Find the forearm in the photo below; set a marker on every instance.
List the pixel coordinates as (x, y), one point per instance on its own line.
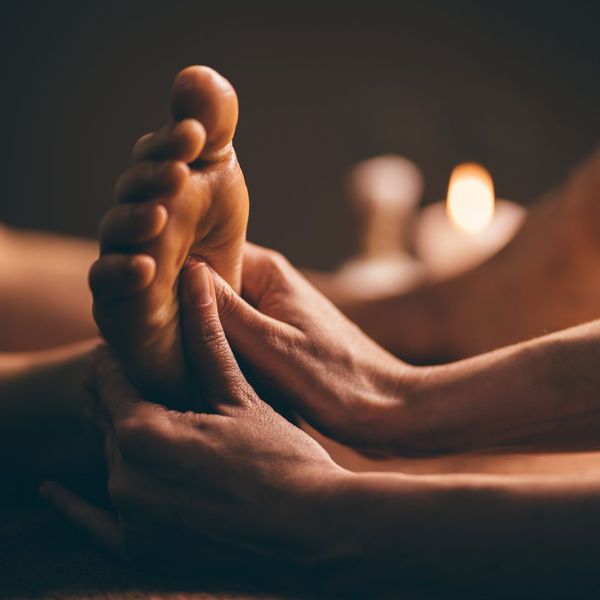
(540, 395)
(467, 530)
(44, 298)
(43, 399)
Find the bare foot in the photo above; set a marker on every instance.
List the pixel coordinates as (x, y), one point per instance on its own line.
(184, 194)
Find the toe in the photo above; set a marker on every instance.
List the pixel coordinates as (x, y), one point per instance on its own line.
(176, 141)
(151, 180)
(116, 276)
(203, 94)
(131, 224)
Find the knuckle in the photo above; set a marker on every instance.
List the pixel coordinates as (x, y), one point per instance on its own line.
(138, 433)
(282, 341)
(275, 271)
(210, 331)
(199, 421)
(277, 261)
(226, 299)
(160, 319)
(130, 431)
(278, 272)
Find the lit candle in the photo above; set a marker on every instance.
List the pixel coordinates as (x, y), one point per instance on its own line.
(470, 227)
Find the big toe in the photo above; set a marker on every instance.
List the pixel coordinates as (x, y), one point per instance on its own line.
(203, 94)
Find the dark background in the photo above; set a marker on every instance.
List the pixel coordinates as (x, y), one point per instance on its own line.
(513, 85)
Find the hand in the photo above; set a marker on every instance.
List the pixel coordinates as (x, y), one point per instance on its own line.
(239, 484)
(293, 340)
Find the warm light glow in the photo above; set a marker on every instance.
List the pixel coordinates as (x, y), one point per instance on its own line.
(470, 203)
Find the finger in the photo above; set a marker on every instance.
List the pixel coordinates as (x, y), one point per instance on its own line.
(277, 289)
(255, 272)
(140, 432)
(115, 276)
(130, 224)
(175, 141)
(210, 356)
(151, 180)
(243, 324)
(267, 272)
(118, 398)
(273, 362)
(99, 523)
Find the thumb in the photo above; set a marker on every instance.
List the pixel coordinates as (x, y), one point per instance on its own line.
(244, 326)
(116, 397)
(210, 358)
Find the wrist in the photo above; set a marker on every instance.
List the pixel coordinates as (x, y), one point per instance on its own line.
(324, 524)
(430, 419)
(397, 421)
(390, 527)
(368, 519)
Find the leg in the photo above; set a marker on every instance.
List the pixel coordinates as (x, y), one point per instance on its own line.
(545, 280)
(44, 299)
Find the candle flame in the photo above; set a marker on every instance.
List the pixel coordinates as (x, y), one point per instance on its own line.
(470, 203)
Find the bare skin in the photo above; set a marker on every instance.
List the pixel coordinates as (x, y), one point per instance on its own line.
(45, 360)
(545, 280)
(538, 395)
(150, 222)
(184, 194)
(241, 488)
(404, 410)
(44, 399)
(352, 390)
(555, 252)
(34, 261)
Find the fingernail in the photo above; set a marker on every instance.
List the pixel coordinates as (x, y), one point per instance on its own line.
(199, 285)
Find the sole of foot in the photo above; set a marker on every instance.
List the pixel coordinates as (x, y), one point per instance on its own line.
(185, 194)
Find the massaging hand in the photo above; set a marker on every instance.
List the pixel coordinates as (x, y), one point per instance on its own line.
(205, 488)
(292, 339)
